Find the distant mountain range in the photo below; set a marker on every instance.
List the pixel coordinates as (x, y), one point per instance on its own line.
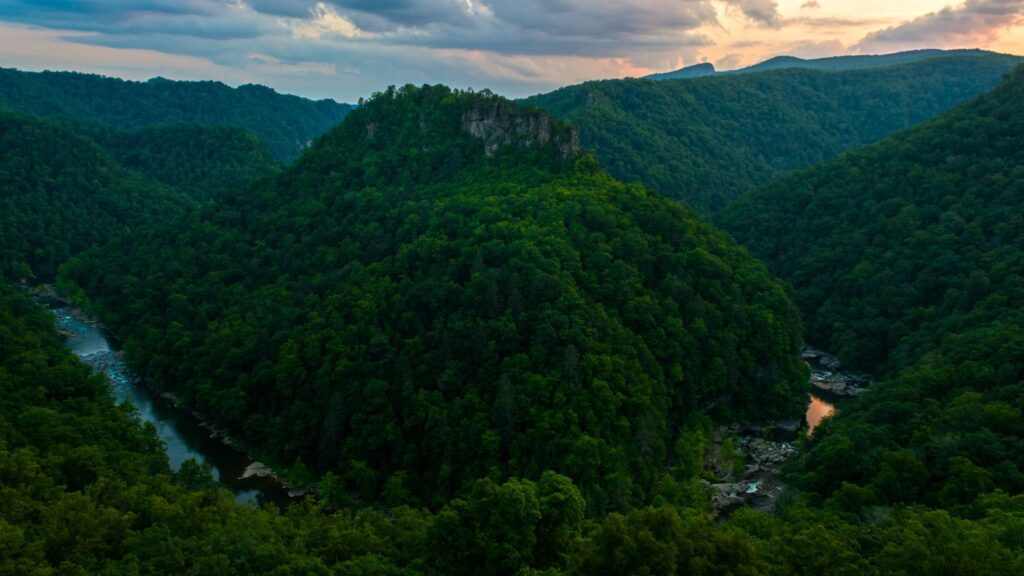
(708, 141)
(286, 124)
(834, 63)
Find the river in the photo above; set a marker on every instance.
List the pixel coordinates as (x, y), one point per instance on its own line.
(183, 434)
(186, 437)
(818, 410)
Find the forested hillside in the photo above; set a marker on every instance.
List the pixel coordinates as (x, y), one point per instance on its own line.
(199, 161)
(706, 141)
(285, 124)
(86, 491)
(907, 259)
(60, 194)
(442, 290)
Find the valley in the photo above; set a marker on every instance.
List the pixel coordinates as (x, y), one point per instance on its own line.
(447, 332)
(184, 435)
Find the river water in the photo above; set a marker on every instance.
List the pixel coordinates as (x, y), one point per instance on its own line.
(183, 434)
(818, 410)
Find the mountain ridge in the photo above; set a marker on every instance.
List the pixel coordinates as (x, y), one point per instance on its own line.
(705, 141)
(834, 63)
(495, 310)
(286, 124)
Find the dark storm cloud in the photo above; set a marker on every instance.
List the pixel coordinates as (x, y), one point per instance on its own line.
(196, 18)
(970, 20)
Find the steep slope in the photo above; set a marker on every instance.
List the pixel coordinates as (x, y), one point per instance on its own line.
(86, 491)
(60, 194)
(891, 247)
(286, 124)
(708, 140)
(202, 162)
(907, 259)
(443, 289)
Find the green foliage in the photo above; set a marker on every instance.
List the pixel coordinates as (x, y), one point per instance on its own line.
(901, 246)
(401, 305)
(707, 141)
(61, 194)
(201, 162)
(906, 259)
(86, 490)
(285, 124)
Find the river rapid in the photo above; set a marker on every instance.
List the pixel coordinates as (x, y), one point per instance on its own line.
(184, 435)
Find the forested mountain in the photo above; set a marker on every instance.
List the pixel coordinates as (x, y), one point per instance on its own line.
(833, 63)
(706, 141)
(86, 491)
(907, 259)
(836, 63)
(442, 289)
(60, 194)
(199, 161)
(285, 124)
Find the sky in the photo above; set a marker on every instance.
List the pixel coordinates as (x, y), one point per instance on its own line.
(347, 49)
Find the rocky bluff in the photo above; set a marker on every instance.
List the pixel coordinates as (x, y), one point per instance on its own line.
(501, 124)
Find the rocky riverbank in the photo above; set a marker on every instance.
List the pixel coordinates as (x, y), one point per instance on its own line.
(185, 433)
(761, 451)
(754, 484)
(826, 374)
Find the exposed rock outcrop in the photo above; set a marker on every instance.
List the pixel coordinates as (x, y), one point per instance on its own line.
(825, 374)
(502, 124)
(758, 484)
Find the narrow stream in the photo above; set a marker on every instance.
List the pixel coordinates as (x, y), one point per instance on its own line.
(184, 436)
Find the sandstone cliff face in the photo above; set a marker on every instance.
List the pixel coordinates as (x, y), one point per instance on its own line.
(502, 125)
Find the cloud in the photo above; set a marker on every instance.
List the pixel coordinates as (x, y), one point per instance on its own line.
(729, 62)
(603, 17)
(816, 49)
(765, 12)
(193, 18)
(348, 48)
(972, 22)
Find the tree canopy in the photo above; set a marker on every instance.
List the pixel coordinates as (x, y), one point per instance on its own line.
(707, 141)
(285, 124)
(60, 193)
(906, 259)
(443, 290)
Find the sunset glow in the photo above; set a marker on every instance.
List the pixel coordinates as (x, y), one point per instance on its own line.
(348, 48)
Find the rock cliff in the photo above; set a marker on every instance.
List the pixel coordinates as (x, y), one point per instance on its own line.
(502, 124)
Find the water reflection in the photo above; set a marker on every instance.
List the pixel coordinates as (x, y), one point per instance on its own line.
(817, 411)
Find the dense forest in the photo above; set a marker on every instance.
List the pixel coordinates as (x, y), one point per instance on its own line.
(285, 124)
(489, 356)
(442, 290)
(706, 141)
(906, 259)
(60, 193)
(86, 490)
(201, 162)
